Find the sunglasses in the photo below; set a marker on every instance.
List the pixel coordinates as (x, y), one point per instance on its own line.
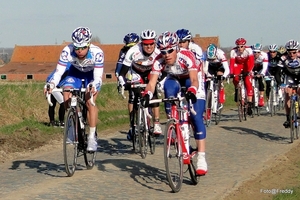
(273, 51)
(165, 52)
(148, 44)
(183, 41)
(80, 48)
(256, 51)
(292, 52)
(240, 46)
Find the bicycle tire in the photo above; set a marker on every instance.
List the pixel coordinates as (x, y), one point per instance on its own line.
(193, 160)
(240, 105)
(173, 153)
(135, 133)
(70, 142)
(140, 127)
(151, 136)
(89, 156)
(208, 110)
(218, 111)
(271, 100)
(292, 127)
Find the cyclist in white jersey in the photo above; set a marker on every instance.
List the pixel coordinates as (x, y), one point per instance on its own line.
(137, 64)
(86, 62)
(260, 68)
(291, 68)
(180, 65)
(215, 63)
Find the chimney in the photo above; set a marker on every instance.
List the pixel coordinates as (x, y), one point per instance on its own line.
(197, 35)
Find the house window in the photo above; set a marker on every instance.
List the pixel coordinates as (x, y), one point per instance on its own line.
(29, 76)
(108, 76)
(3, 76)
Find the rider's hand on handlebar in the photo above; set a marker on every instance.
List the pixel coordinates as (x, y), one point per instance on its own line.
(191, 94)
(48, 88)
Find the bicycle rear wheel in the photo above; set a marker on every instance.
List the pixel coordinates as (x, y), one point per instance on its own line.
(140, 126)
(89, 156)
(218, 110)
(135, 132)
(173, 157)
(292, 126)
(70, 142)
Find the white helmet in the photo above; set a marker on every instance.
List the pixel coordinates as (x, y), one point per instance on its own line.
(81, 36)
(273, 47)
(148, 35)
(292, 45)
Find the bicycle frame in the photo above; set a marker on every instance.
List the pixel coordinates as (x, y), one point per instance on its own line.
(294, 110)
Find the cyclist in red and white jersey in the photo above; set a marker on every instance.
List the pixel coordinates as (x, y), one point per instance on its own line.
(241, 62)
(260, 67)
(180, 65)
(137, 65)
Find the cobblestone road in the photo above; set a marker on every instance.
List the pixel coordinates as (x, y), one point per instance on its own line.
(236, 151)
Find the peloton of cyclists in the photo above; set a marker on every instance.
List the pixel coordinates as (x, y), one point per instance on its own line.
(180, 65)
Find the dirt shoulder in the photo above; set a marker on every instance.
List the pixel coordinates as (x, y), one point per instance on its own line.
(283, 173)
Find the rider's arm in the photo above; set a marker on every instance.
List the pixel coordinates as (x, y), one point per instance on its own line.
(222, 57)
(120, 62)
(265, 64)
(250, 62)
(98, 69)
(232, 61)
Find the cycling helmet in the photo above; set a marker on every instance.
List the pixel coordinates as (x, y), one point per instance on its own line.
(257, 47)
(211, 52)
(81, 36)
(148, 36)
(273, 47)
(167, 40)
(130, 39)
(184, 34)
(240, 41)
(292, 45)
(282, 49)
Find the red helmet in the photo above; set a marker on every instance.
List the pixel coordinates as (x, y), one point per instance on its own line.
(240, 41)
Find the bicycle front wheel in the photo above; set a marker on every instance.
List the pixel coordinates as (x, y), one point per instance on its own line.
(70, 142)
(141, 129)
(151, 136)
(271, 104)
(173, 157)
(193, 160)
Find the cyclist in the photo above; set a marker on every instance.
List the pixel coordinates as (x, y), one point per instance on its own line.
(129, 40)
(260, 68)
(138, 63)
(86, 62)
(273, 69)
(241, 62)
(216, 64)
(57, 97)
(291, 68)
(180, 65)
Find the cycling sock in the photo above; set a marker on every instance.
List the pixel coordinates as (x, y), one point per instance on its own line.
(92, 132)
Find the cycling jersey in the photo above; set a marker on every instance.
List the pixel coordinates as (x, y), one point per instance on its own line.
(185, 62)
(261, 63)
(90, 69)
(122, 54)
(290, 66)
(197, 50)
(273, 62)
(220, 63)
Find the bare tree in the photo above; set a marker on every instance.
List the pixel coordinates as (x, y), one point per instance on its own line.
(96, 39)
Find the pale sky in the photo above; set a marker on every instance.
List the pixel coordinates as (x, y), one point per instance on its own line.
(43, 22)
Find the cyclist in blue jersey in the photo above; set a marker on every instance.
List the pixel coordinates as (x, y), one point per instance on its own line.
(86, 62)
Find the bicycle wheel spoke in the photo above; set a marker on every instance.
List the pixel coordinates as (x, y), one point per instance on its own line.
(173, 157)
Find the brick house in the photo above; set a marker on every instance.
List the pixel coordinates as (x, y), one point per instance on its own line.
(37, 62)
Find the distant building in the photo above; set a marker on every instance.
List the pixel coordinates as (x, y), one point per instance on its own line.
(37, 62)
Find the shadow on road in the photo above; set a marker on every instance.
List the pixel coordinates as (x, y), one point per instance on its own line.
(146, 175)
(43, 167)
(264, 136)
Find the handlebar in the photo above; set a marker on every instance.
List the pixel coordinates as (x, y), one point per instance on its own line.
(48, 95)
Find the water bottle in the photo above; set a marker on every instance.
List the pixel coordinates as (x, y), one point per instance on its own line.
(185, 135)
(296, 106)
